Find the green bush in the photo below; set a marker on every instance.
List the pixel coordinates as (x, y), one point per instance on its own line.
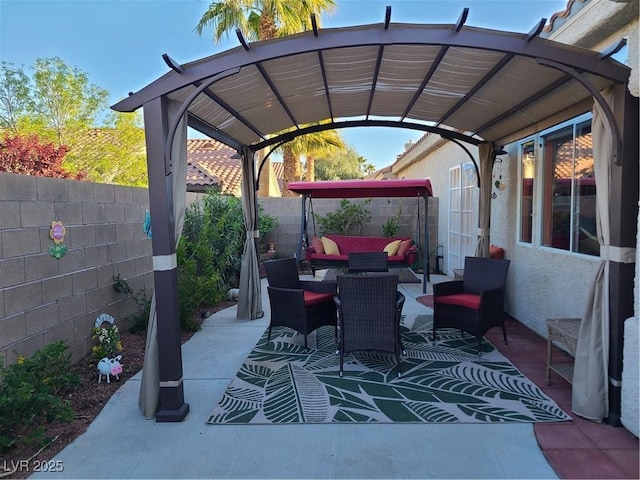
(139, 320)
(210, 251)
(349, 219)
(392, 225)
(31, 393)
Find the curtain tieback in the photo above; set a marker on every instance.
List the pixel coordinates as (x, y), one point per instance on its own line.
(253, 233)
(163, 263)
(483, 232)
(617, 254)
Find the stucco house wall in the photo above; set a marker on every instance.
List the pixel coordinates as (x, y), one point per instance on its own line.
(442, 156)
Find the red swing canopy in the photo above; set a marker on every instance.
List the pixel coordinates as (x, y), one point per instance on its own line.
(363, 188)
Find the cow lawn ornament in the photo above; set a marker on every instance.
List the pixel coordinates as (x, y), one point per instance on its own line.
(109, 367)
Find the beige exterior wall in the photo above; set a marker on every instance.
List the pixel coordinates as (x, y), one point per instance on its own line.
(432, 157)
(44, 299)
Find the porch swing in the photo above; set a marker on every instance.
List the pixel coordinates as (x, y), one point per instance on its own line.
(343, 189)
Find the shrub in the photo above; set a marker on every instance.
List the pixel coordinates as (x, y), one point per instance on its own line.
(210, 251)
(347, 220)
(139, 320)
(31, 394)
(26, 155)
(392, 225)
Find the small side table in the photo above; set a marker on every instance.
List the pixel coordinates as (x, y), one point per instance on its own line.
(565, 331)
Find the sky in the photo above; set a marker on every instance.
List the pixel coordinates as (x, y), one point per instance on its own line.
(119, 43)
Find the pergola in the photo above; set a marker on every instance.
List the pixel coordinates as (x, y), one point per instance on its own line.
(478, 86)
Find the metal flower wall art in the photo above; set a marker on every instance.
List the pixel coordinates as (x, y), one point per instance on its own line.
(57, 234)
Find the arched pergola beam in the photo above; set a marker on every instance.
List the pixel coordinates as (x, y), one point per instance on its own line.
(611, 119)
(288, 136)
(183, 110)
(473, 160)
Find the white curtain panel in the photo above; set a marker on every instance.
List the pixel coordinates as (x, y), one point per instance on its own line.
(590, 393)
(149, 395)
(485, 151)
(249, 300)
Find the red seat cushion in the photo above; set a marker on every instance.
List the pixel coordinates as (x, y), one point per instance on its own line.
(314, 298)
(467, 300)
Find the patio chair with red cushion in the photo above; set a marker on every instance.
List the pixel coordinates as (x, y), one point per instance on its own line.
(474, 304)
(303, 305)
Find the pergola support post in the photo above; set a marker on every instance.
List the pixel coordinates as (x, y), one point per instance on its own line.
(303, 229)
(623, 215)
(172, 407)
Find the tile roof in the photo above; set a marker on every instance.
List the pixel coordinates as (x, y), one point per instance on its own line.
(564, 165)
(210, 164)
(562, 15)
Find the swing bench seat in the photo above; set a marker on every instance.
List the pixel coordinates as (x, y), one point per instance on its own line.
(404, 255)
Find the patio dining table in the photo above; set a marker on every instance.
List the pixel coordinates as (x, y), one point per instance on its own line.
(329, 275)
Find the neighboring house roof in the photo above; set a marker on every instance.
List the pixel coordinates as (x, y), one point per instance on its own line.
(210, 166)
(96, 136)
(278, 171)
(564, 158)
(559, 17)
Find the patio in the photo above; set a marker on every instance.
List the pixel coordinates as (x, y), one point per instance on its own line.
(449, 88)
(192, 449)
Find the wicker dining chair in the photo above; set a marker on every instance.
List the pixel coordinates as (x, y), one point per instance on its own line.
(369, 310)
(367, 262)
(474, 304)
(298, 304)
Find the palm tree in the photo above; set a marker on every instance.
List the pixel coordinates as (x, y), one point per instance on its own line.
(310, 145)
(319, 145)
(263, 20)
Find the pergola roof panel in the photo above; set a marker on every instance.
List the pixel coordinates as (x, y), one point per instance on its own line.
(402, 71)
(475, 80)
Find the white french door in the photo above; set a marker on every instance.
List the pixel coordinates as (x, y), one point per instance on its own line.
(462, 242)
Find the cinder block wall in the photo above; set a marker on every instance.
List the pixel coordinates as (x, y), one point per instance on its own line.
(44, 299)
(289, 213)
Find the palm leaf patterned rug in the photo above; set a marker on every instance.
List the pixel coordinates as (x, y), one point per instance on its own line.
(281, 382)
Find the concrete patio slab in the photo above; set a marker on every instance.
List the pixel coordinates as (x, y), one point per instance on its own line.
(121, 443)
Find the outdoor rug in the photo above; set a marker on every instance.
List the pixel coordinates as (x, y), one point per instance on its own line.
(281, 382)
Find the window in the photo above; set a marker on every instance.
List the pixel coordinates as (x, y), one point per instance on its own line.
(569, 190)
(528, 172)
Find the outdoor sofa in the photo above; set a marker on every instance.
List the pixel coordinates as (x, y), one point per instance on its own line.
(333, 250)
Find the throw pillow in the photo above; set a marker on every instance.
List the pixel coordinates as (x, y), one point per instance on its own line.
(316, 243)
(403, 247)
(496, 252)
(392, 247)
(330, 247)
